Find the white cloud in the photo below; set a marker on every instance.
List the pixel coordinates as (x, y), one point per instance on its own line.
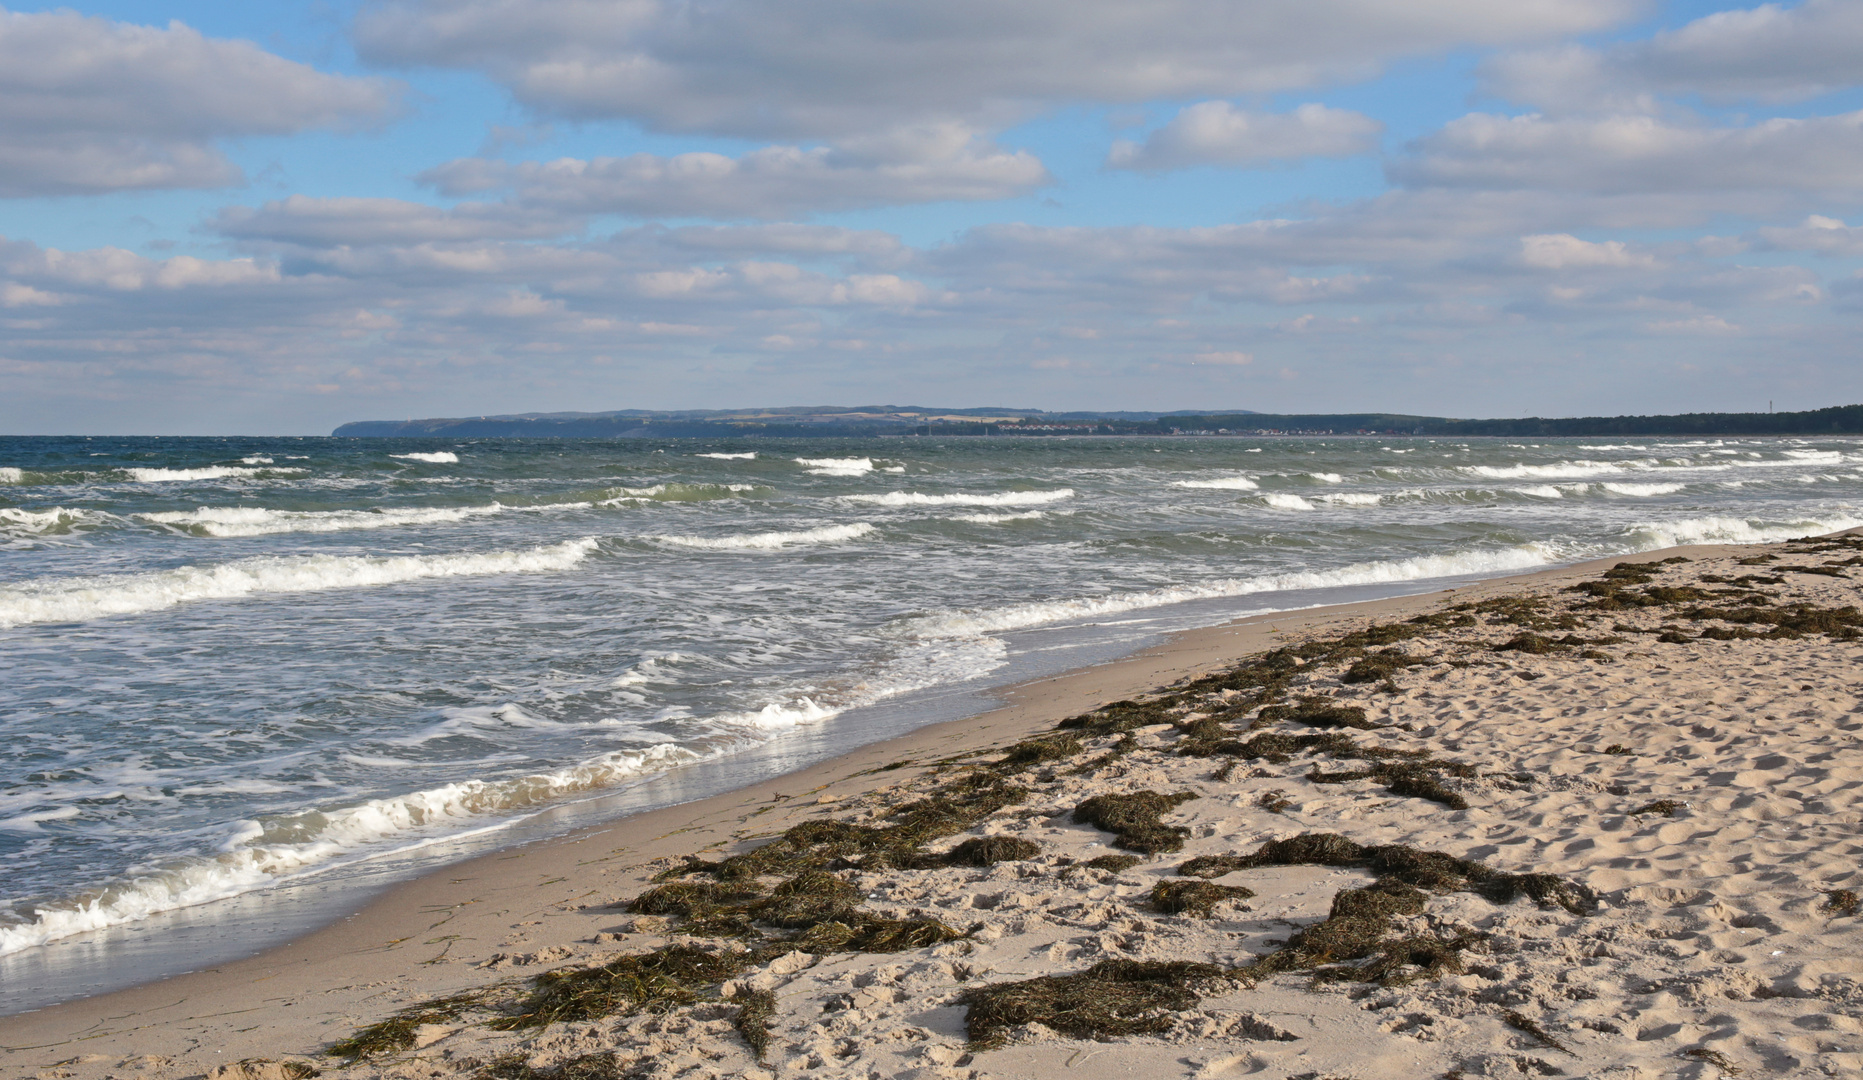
(1824, 235)
(1561, 251)
(1768, 53)
(90, 105)
(301, 219)
(826, 69)
(1633, 154)
(1218, 133)
(935, 164)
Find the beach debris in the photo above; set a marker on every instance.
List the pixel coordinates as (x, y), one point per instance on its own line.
(1665, 807)
(1319, 712)
(1412, 866)
(1118, 864)
(1521, 1022)
(755, 1010)
(1111, 999)
(397, 1033)
(1842, 902)
(1134, 819)
(655, 981)
(990, 850)
(1713, 1057)
(1198, 898)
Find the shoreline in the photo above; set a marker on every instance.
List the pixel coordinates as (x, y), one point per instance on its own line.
(523, 909)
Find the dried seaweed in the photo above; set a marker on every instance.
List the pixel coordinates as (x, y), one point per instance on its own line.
(754, 1012)
(1111, 999)
(396, 1033)
(1133, 819)
(1193, 897)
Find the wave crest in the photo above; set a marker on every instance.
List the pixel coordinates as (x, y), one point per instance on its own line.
(83, 598)
(766, 541)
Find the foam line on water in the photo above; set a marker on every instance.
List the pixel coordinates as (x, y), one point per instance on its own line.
(228, 521)
(436, 457)
(749, 455)
(77, 599)
(1226, 483)
(1641, 537)
(768, 541)
(836, 466)
(210, 472)
(1001, 498)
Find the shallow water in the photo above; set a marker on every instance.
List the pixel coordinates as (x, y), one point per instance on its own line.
(233, 664)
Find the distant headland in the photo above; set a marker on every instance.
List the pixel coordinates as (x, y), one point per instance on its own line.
(871, 420)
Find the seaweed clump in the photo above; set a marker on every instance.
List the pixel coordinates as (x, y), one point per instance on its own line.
(1118, 864)
(1665, 807)
(1198, 898)
(1111, 999)
(1842, 902)
(754, 1012)
(1423, 869)
(644, 982)
(1134, 819)
(1353, 944)
(1320, 713)
(396, 1033)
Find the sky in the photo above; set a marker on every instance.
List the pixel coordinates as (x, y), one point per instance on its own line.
(221, 218)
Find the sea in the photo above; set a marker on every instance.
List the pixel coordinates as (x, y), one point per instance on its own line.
(247, 682)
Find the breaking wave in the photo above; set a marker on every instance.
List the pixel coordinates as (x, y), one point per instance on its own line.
(210, 472)
(1003, 498)
(827, 534)
(228, 521)
(436, 457)
(830, 466)
(1227, 483)
(747, 456)
(1282, 501)
(81, 598)
(1643, 490)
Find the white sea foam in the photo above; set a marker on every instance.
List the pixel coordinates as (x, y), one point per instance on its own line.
(992, 519)
(1327, 477)
(262, 853)
(225, 521)
(437, 457)
(1422, 567)
(256, 459)
(1352, 498)
(75, 599)
(676, 493)
(766, 541)
(1282, 501)
(210, 472)
(56, 520)
(10, 474)
(1001, 498)
(747, 456)
(1716, 529)
(1225, 483)
(830, 466)
(1643, 490)
(1540, 491)
(1556, 471)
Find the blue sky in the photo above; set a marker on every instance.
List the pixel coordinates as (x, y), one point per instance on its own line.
(275, 218)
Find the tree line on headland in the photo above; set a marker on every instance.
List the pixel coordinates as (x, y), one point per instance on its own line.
(884, 420)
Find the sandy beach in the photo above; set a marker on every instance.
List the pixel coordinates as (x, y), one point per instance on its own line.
(1598, 821)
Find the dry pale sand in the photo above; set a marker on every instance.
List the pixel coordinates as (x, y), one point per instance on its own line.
(1713, 932)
